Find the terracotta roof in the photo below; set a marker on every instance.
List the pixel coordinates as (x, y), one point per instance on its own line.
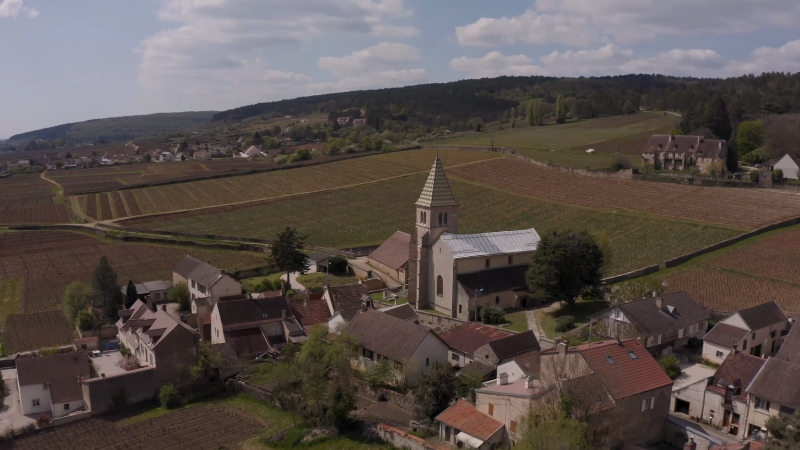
(778, 381)
(348, 297)
(738, 370)
(471, 336)
(186, 266)
(651, 320)
(252, 311)
(725, 335)
(763, 315)
(247, 342)
(394, 251)
(437, 189)
(493, 281)
(62, 372)
(515, 344)
(404, 311)
(311, 312)
(625, 368)
(465, 417)
(386, 335)
(790, 350)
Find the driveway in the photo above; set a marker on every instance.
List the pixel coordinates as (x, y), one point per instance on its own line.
(11, 413)
(293, 281)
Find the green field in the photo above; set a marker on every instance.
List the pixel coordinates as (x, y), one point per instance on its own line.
(368, 214)
(609, 136)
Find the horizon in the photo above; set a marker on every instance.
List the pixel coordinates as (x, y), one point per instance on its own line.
(186, 56)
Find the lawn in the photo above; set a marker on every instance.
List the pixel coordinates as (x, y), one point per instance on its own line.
(250, 283)
(317, 280)
(367, 215)
(609, 136)
(581, 312)
(518, 321)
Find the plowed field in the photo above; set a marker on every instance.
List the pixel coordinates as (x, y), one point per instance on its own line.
(745, 208)
(37, 330)
(27, 199)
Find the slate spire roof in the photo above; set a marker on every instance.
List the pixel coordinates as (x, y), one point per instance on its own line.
(437, 189)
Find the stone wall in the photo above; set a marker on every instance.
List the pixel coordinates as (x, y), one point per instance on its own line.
(103, 333)
(108, 393)
(254, 391)
(405, 401)
(401, 439)
(632, 274)
(434, 321)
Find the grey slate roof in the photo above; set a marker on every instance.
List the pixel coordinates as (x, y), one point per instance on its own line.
(725, 335)
(491, 281)
(436, 191)
(318, 257)
(790, 350)
(404, 311)
(206, 274)
(514, 345)
(186, 266)
(347, 297)
(253, 311)
(394, 251)
(651, 321)
(386, 335)
(488, 244)
(778, 381)
(763, 315)
(62, 372)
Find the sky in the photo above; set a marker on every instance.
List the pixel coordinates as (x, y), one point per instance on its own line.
(71, 60)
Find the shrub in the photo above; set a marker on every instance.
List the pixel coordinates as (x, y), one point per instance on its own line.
(565, 323)
(43, 420)
(337, 264)
(281, 159)
(169, 397)
(302, 154)
(492, 315)
(756, 156)
(86, 320)
(753, 176)
(707, 362)
(124, 351)
(619, 164)
(777, 175)
(671, 366)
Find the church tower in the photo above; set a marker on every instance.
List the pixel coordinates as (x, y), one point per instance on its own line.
(437, 213)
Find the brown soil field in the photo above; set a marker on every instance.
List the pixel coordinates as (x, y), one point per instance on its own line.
(38, 330)
(776, 257)
(48, 261)
(28, 199)
(743, 207)
(206, 426)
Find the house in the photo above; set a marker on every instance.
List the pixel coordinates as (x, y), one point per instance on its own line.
(725, 404)
(340, 319)
(775, 391)
(202, 305)
(509, 401)
(758, 330)
(521, 367)
(790, 349)
(152, 293)
(254, 327)
(166, 156)
(310, 313)
(205, 280)
(342, 121)
(318, 262)
(350, 297)
(391, 257)
(688, 389)
(412, 349)
(402, 312)
(359, 122)
(253, 151)
(51, 384)
(464, 340)
(615, 384)
(499, 351)
(672, 152)
(462, 425)
(788, 165)
(664, 321)
(158, 340)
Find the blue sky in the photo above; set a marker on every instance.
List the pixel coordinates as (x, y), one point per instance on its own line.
(73, 60)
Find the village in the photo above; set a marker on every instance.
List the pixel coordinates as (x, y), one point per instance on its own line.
(418, 342)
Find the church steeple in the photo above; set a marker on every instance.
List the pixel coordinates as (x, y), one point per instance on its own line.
(437, 191)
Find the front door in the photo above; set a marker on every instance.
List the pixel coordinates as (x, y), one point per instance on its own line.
(726, 418)
(447, 434)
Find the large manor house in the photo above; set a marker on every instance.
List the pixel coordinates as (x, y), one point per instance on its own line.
(455, 274)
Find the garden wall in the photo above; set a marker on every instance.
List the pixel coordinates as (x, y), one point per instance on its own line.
(432, 320)
(116, 391)
(405, 401)
(72, 418)
(103, 333)
(255, 392)
(401, 439)
(629, 275)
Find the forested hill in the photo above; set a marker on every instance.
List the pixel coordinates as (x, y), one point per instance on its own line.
(120, 128)
(490, 99)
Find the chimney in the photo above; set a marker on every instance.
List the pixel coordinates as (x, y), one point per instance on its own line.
(208, 261)
(562, 348)
(690, 445)
(734, 349)
(528, 382)
(659, 303)
(222, 271)
(502, 378)
(164, 307)
(283, 314)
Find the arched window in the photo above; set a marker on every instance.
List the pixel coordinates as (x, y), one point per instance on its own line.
(497, 300)
(439, 286)
(421, 217)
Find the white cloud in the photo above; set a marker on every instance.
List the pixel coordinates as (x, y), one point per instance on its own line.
(495, 64)
(383, 55)
(230, 50)
(13, 8)
(585, 23)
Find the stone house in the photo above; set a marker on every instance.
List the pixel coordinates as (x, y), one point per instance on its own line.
(350, 297)
(663, 321)
(51, 384)
(758, 330)
(509, 401)
(464, 340)
(774, 392)
(158, 340)
(205, 280)
(508, 348)
(726, 401)
(391, 257)
(672, 152)
(463, 426)
(254, 327)
(688, 389)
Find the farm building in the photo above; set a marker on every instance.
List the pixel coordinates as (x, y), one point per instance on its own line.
(672, 152)
(151, 292)
(457, 274)
(51, 384)
(788, 165)
(391, 257)
(318, 262)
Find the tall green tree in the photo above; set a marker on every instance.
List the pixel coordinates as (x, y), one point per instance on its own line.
(180, 294)
(434, 390)
(564, 265)
(716, 118)
(78, 297)
(513, 117)
(537, 113)
(529, 111)
(561, 109)
(750, 135)
(286, 253)
(105, 283)
(784, 432)
(130, 294)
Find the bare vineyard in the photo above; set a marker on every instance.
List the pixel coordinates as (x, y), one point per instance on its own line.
(745, 208)
(206, 426)
(36, 330)
(777, 257)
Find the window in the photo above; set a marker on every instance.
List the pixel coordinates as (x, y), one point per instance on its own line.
(35, 402)
(439, 286)
(648, 403)
(736, 418)
(762, 404)
(445, 218)
(193, 285)
(497, 300)
(651, 341)
(772, 334)
(427, 361)
(368, 354)
(488, 262)
(441, 218)
(511, 260)
(459, 309)
(632, 355)
(66, 406)
(744, 345)
(512, 426)
(610, 361)
(686, 331)
(454, 357)
(491, 409)
(753, 337)
(45, 386)
(720, 354)
(787, 410)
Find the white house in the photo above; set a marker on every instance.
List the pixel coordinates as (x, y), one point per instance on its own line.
(254, 327)
(788, 166)
(51, 384)
(757, 331)
(205, 280)
(166, 156)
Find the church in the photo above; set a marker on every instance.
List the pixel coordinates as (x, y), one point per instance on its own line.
(457, 274)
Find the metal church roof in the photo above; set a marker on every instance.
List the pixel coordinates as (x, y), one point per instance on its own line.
(488, 244)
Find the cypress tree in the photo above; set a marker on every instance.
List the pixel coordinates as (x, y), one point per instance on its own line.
(716, 118)
(105, 283)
